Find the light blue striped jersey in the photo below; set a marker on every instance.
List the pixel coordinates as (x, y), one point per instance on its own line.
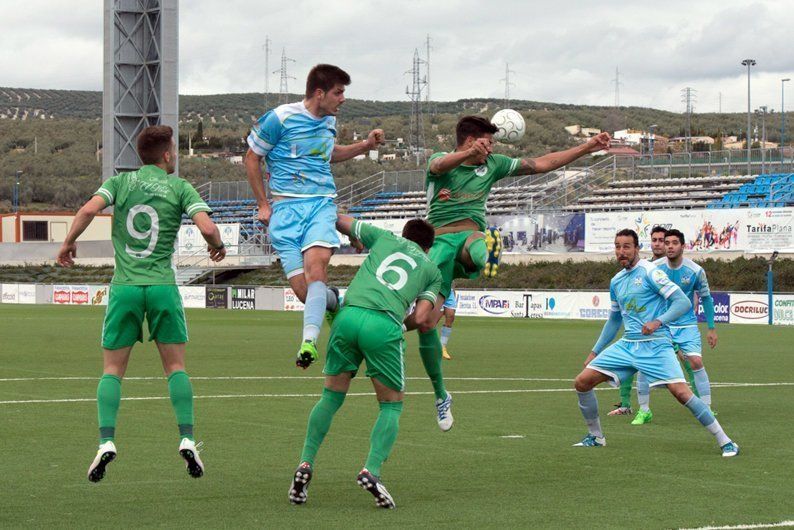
(640, 294)
(297, 147)
(691, 278)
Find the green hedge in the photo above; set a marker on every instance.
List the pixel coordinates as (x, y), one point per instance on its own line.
(737, 275)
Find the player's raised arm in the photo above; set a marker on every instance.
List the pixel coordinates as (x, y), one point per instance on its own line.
(346, 152)
(552, 161)
(479, 148)
(82, 219)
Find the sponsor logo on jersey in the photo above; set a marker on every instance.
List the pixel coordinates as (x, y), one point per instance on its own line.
(481, 171)
(444, 194)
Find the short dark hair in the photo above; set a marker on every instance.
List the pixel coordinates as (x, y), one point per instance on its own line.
(325, 77)
(676, 233)
(420, 232)
(628, 232)
(658, 228)
(476, 126)
(153, 142)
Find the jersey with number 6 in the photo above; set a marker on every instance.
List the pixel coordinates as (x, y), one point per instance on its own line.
(395, 273)
(149, 205)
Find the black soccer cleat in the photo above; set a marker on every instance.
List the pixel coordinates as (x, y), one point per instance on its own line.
(300, 484)
(372, 484)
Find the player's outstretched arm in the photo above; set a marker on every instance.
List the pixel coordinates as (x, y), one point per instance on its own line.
(82, 219)
(211, 234)
(253, 170)
(448, 162)
(552, 161)
(608, 332)
(678, 306)
(422, 317)
(346, 152)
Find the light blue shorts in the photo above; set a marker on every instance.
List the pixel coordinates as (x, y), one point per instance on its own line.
(452, 301)
(655, 358)
(688, 340)
(299, 224)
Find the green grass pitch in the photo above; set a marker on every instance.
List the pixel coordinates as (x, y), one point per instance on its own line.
(508, 461)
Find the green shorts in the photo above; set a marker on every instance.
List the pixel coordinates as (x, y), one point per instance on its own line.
(445, 252)
(361, 334)
(129, 304)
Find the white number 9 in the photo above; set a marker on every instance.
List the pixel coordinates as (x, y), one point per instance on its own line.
(151, 234)
(402, 274)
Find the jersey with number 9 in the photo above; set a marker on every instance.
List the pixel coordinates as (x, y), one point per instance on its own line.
(148, 212)
(395, 273)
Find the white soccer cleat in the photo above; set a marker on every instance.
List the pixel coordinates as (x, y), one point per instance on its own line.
(189, 450)
(105, 455)
(730, 449)
(444, 412)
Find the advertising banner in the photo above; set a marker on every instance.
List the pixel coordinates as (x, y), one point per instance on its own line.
(592, 305)
(98, 294)
(190, 240)
(722, 308)
(217, 297)
(749, 309)
(71, 295)
(243, 298)
(27, 293)
(291, 301)
(783, 310)
(738, 229)
(10, 293)
(192, 296)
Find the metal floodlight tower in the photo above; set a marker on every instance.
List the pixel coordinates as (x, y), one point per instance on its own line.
(416, 125)
(141, 77)
(748, 63)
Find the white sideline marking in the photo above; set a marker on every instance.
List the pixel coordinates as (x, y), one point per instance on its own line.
(744, 526)
(272, 377)
(355, 394)
(512, 436)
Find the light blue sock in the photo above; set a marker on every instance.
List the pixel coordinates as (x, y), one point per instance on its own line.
(588, 404)
(643, 392)
(316, 301)
(445, 333)
(703, 414)
(703, 385)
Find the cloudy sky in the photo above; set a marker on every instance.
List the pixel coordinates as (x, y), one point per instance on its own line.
(560, 51)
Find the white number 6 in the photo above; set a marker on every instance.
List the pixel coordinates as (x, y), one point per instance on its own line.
(402, 274)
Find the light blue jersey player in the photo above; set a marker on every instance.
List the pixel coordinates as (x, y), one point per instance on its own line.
(691, 278)
(645, 301)
(298, 143)
(450, 307)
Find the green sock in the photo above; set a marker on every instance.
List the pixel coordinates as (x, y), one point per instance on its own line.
(625, 393)
(384, 433)
(320, 420)
(690, 374)
(479, 253)
(181, 392)
(108, 399)
(430, 351)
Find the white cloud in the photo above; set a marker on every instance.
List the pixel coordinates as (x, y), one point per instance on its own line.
(562, 52)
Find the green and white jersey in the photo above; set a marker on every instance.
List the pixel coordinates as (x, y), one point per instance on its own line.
(462, 192)
(395, 273)
(148, 212)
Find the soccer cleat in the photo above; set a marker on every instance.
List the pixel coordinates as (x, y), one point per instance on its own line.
(372, 484)
(306, 355)
(105, 455)
(620, 411)
(591, 441)
(300, 483)
(444, 411)
(189, 450)
(445, 354)
(730, 449)
(331, 315)
(642, 417)
(493, 244)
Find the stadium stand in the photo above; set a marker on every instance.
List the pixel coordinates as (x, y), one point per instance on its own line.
(241, 211)
(766, 191)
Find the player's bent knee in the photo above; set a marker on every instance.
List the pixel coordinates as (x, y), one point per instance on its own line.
(681, 392)
(695, 361)
(582, 383)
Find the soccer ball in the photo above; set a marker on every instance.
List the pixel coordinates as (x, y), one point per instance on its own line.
(510, 124)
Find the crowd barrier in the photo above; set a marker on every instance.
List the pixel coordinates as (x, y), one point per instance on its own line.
(730, 308)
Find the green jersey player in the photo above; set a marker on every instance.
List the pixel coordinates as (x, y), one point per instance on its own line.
(458, 185)
(149, 204)
(370, 327)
